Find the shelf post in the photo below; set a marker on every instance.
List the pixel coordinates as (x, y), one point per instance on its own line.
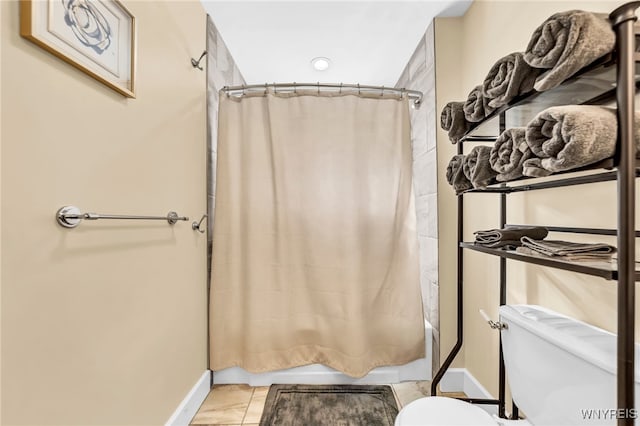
(503, 294)
(623, 19)
(459, 331)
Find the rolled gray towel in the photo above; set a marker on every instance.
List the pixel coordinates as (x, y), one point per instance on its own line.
(452, 120)
(476, 107)
(567, 249)
(509, 77)
(533, 168)
(571, 136)
(476, 167)
(455, 175)
(509, 237)
(509, 153)
(566, 42)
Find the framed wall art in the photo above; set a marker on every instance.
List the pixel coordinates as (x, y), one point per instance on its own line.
(96, 36)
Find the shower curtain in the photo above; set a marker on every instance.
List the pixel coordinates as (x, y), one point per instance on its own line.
(314, 242)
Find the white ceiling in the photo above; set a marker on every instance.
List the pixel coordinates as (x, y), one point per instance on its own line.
(368, 42)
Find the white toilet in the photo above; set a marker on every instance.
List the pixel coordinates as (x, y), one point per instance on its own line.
(560, 370)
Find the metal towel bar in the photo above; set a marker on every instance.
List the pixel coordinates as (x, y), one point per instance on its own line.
(70, 217)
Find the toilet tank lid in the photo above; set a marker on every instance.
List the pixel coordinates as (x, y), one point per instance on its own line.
(585, 341)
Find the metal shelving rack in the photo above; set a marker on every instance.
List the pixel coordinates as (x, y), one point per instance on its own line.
(621, 68)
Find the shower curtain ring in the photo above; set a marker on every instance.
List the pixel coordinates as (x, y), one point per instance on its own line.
(275, 89)
(359, 89)
(318, 83)
(243, 87)
(340, 92)
(382, 91)
(295, 88)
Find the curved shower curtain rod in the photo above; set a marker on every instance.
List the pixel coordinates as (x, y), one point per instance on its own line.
(291, 87)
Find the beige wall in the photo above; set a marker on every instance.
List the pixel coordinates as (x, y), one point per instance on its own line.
(1, 226)
(448, 42)
(105, 323)
(466, 49)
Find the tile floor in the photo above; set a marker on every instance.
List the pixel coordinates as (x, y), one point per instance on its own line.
(242, 405)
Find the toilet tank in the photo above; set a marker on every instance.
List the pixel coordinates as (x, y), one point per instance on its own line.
(561, 371)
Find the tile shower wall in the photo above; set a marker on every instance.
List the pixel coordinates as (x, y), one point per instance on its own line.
(222, 71)
(419, 74)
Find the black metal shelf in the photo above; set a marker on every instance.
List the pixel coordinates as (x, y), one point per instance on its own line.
(573, 230)
(594, 84)
(603, 269)
(602, 173)
(612, 78)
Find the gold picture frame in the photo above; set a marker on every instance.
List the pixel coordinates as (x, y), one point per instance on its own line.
(95, 36)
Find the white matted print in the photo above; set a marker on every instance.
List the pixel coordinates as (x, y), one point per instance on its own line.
(96, 36)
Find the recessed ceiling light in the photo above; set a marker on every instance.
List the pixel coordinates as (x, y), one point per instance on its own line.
(320, 63)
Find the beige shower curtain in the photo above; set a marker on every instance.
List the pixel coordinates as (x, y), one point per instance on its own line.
(314, 246)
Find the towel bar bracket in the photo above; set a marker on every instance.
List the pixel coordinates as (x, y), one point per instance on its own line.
(173, 218)
(69, 216)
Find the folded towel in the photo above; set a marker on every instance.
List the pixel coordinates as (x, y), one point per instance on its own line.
(569, 250)
(509, 77)
(571, 136)
(509, 237)
(476, 108)
(566, 42)
(509, 153)
(476, 167)
(583, 257)
(455, 175)
(452, 120)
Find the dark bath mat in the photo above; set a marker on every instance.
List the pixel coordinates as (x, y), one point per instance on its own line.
(329, 405)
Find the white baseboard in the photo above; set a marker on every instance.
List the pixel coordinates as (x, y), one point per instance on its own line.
(192, 402)
(461, 380)
(453, 380)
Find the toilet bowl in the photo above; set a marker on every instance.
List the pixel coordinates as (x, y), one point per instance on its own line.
(558, 368)
(438, 410)
(442, 411)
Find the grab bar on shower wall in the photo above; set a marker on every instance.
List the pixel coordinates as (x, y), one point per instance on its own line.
(70, 217)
